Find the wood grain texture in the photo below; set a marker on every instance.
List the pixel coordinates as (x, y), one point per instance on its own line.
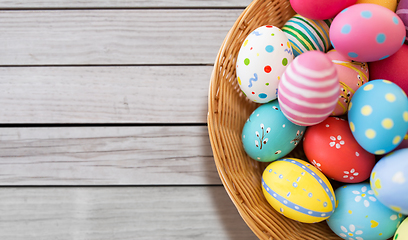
(156, 94)
(38, 4)
(113, 37)
(106, 156)
(111, 61)
(141, 213)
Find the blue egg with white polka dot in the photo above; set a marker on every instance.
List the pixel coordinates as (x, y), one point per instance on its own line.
(268, 135)
(378, 116)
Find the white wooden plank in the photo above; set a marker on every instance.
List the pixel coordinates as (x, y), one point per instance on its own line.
(141, 213)
(106, 155)
(158, 94)
(81, 37)
(19, 4)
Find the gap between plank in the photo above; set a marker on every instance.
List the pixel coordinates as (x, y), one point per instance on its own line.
(110, 65)
(112, 186)
(128, 8)
(55, 125)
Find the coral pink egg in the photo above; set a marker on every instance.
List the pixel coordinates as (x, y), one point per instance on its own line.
(309, 89)
(331, 147)
(393, 68)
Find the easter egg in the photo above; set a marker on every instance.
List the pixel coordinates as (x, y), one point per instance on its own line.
(261, 61)
(309, 89)
(390, 4)
(389, 180)
(352, 75)
(378, 116)
(267, 135)
(402, 231)
(320, 9)
(298, 190)
(305, 34)
(331, 147)
(402, 12)
(359, 215)
(403, 144)
(367, 32)
(393, 68)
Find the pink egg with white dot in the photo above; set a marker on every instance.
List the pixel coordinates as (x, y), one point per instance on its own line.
(367, 32)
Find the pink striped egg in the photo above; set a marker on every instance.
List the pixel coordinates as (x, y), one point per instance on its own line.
(309, 89)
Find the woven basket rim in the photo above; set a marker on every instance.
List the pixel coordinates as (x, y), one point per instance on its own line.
(211, 128)
(219, 118)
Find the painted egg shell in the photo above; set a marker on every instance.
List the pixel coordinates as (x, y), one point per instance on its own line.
(298, 190)
(393, 68)
(331, 147)
(402, 12)
(367, 32)
(403, 144)
(389, 180)
(402, 231)
(309, 89)
(359, 215)
(261, 61)
(320, 9)
(352, 75)
(306, 34)
(378, 116)
(390, 4)
(268, 135)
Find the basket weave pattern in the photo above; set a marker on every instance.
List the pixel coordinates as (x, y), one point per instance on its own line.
(228, 111)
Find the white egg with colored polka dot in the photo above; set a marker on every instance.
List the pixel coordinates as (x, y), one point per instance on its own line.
(263, 57)
(378, 116)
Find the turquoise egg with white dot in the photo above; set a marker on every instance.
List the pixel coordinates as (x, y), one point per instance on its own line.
(268, 135)
(360, 216)
(378, 116)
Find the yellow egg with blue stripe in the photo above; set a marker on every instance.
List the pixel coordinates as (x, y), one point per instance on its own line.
(298, 190)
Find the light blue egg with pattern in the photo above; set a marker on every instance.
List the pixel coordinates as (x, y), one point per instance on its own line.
(268, 135)
(360, 216)
(389, 180)
(378, 116)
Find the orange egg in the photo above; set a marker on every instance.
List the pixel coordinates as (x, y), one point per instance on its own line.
(390, 4)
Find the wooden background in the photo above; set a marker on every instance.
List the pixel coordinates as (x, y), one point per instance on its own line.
(103, 120)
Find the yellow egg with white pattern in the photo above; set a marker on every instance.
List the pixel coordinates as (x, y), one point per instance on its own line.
(298, 190)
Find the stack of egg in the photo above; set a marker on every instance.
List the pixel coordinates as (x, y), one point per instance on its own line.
(334, 78)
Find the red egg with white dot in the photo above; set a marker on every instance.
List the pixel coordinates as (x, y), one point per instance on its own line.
(331, 147)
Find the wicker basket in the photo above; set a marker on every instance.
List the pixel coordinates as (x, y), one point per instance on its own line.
(228, 111)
